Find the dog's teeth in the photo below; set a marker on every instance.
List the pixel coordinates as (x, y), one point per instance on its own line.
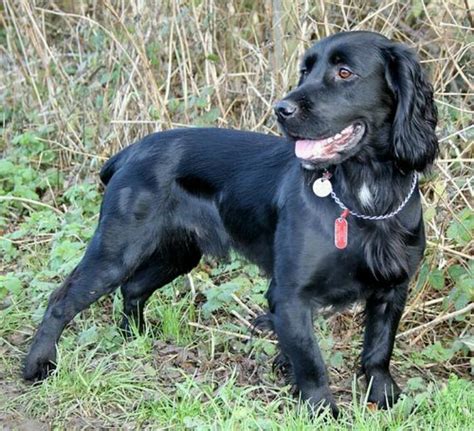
(329, 140)
(317, 151)
(338, 136)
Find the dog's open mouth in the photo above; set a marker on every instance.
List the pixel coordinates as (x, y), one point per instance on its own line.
(328, 148)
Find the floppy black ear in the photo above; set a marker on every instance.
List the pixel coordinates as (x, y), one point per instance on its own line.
(414, 141)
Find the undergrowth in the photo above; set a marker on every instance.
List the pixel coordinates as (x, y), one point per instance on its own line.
(80, 80)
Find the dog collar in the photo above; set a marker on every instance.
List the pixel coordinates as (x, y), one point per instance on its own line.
(322, 187)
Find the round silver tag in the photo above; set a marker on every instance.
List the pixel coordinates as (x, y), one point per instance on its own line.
(322, 187)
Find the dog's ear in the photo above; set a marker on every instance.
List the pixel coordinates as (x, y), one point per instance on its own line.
(414, 141)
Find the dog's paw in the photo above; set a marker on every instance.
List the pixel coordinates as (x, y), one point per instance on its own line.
(264, 323)
(384, 392)
(125, 328)
(39, 364)
(282, 365)
(130, 328)
(320, 400)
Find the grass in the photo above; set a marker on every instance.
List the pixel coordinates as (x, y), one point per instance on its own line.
(80, 80)
(159, 381)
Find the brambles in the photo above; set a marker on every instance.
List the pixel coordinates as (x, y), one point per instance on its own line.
(80, 80)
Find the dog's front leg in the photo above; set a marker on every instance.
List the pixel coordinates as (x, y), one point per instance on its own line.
(293, 324)
(383, 312)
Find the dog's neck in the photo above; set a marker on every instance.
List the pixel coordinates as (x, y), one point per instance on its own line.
(368, 186)
(374, 187)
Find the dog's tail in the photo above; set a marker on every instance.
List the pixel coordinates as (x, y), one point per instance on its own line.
(114, 164)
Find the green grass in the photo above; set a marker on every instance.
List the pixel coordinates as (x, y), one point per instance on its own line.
(176, 376)
(145, 382)
(81, 80)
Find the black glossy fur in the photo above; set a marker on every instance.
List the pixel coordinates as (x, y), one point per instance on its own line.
(179, 194)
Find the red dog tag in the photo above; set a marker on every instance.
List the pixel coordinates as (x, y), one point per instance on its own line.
(341, 230)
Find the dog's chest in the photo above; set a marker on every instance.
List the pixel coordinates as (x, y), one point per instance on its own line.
(332, 276)
(339, 277)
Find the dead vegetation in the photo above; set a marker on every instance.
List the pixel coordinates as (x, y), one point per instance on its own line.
(91, 77)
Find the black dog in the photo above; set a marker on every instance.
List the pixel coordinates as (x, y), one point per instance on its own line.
(362, 121)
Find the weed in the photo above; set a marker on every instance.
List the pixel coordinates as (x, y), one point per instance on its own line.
(81, 80)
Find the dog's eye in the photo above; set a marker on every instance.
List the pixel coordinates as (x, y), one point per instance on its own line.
(304, 71)
(344, 73)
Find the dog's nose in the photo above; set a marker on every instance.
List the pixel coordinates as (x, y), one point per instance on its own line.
(285, 108)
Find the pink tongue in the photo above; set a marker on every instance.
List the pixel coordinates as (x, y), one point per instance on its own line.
(307, 149)
(323, 148)
(304, 149)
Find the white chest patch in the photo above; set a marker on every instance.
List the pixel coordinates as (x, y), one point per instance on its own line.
(365, 196)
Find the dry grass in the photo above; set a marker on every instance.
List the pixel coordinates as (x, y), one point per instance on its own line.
(102, 74)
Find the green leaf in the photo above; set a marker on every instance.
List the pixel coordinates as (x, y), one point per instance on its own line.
(463, 292)
(436, 279)
(459, 298)
(422, 276)
(437, 352)
(90, 335)
(3, 292)
(456, 271)
(65, 255)
(6, 168)
(336, 359)
(461, 231)
(11, 283)
(218, 296)
(7, 250)
(468, 341)
(416, 384)
(213, 57)
(416, 9)
(429, 213)
(30, 141)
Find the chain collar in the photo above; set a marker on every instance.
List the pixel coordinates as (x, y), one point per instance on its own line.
(378, 217)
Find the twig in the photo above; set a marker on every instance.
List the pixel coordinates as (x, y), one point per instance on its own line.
(243, 305)
(191, 284)
(416, 307)
(30, 201)
(82, 153)
(457, 132)
(468, 13)
(438, 320)
(222, 331)
(244, 321)
(450, 250)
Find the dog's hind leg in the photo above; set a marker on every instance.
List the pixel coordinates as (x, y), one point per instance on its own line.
(162, 267)
(101, 270)
(128, 233)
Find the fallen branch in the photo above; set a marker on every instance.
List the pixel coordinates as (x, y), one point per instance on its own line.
(450, 250)
(438, 320)
(232, 334)
(30, 201)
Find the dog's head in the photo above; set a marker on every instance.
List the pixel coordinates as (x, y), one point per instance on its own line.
(360, 95)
